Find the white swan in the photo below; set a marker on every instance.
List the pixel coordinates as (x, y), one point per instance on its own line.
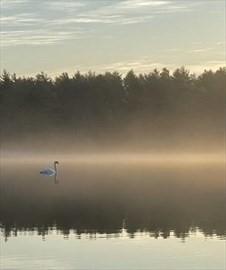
(50, 171)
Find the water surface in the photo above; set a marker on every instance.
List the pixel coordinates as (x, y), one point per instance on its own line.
(113, 216)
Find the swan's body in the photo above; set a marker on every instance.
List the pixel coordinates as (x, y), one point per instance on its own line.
(50, 171)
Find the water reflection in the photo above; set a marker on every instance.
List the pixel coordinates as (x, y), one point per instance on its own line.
(113, 199)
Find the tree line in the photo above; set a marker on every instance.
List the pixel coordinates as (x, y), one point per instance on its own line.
(155, 104)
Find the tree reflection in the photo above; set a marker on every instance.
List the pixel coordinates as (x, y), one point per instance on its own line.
(143, 200)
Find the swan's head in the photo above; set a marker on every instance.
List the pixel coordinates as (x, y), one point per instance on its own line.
(56, 162)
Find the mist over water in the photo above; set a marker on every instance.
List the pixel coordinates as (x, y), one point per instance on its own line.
(136, 193)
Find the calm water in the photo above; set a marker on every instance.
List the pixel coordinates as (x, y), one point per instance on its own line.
(112, 216)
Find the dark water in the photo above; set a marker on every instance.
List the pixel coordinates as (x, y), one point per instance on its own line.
(113, 216)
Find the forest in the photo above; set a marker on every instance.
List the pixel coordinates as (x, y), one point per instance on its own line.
(144, 110)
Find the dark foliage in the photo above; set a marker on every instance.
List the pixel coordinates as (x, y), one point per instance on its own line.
(105, 105)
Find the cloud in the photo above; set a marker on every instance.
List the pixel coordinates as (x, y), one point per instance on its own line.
(148, 65)
(66, 4)
(206, 65)
(201, 50)
(139, 66)
(220, 43)
(41, 37)
(130, 4)
(19, 20)
(13, 2)
(7, 19)
(132, 11)
(104, 19)
(10, 4)
(57, 16)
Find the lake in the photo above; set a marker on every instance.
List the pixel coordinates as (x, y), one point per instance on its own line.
(113, 215)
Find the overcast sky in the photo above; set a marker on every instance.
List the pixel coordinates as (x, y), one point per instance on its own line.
(57, 36)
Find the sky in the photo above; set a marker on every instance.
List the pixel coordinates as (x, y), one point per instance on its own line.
(58, 36)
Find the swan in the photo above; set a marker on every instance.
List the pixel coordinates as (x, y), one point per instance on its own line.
(50, 171)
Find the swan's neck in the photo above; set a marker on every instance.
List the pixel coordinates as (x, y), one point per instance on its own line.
(55, 167)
